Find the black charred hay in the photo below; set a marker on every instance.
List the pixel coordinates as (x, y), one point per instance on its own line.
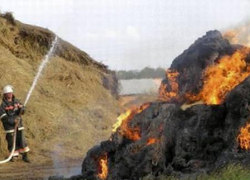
(174, 141)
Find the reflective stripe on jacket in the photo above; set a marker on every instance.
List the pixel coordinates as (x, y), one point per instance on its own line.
(8, 113)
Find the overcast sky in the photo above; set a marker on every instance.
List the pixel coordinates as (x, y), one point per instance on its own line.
(130, 34)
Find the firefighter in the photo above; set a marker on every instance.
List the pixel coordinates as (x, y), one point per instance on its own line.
(10, 111)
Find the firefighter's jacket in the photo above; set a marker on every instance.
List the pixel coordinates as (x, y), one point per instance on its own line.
(9, 111)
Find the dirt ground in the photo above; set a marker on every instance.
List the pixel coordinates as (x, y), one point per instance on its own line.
(36, 170)
(40, 168)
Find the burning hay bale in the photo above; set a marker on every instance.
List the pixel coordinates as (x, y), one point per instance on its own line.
(162, 138)
(171, 140)
(210, 64)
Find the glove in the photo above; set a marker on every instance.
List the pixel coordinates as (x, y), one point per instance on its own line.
(22, 110)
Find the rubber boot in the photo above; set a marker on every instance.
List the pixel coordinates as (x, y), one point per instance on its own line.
(25, 158)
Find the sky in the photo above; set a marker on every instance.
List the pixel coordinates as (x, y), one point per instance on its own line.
(130, 34)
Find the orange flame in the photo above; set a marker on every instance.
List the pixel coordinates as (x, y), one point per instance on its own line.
(220, 78)
(152, 141)
(103, 167)
(244, 137)
(121, 118)
(164, 95)
(132, 133)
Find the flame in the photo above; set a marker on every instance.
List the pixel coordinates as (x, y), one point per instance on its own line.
(165, 95)
(103, 167)
(192, 97)
(220, 78)
(231, 35)
(244, 137)
(122, 117)
(132, 133)
(152, 141)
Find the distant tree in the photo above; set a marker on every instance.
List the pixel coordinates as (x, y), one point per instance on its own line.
(145, 73)
(126, 74)
(160, 72)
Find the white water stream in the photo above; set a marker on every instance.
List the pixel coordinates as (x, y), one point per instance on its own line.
(42, 65)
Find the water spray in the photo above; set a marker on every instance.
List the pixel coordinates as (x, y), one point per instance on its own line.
(42, 65)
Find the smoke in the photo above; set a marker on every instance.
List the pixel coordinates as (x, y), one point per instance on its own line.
(143, 86)
(63, 168)
(239, 34)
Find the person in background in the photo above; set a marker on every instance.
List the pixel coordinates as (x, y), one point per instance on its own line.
(10, 114)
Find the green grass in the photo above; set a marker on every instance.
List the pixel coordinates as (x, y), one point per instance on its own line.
(230, 172)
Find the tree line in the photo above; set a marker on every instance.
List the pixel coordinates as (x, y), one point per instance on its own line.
(146, 73)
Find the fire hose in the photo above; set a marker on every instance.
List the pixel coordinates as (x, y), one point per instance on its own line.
(14, 144)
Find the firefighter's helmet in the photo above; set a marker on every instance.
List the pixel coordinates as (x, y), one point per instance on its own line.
(8, 89)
